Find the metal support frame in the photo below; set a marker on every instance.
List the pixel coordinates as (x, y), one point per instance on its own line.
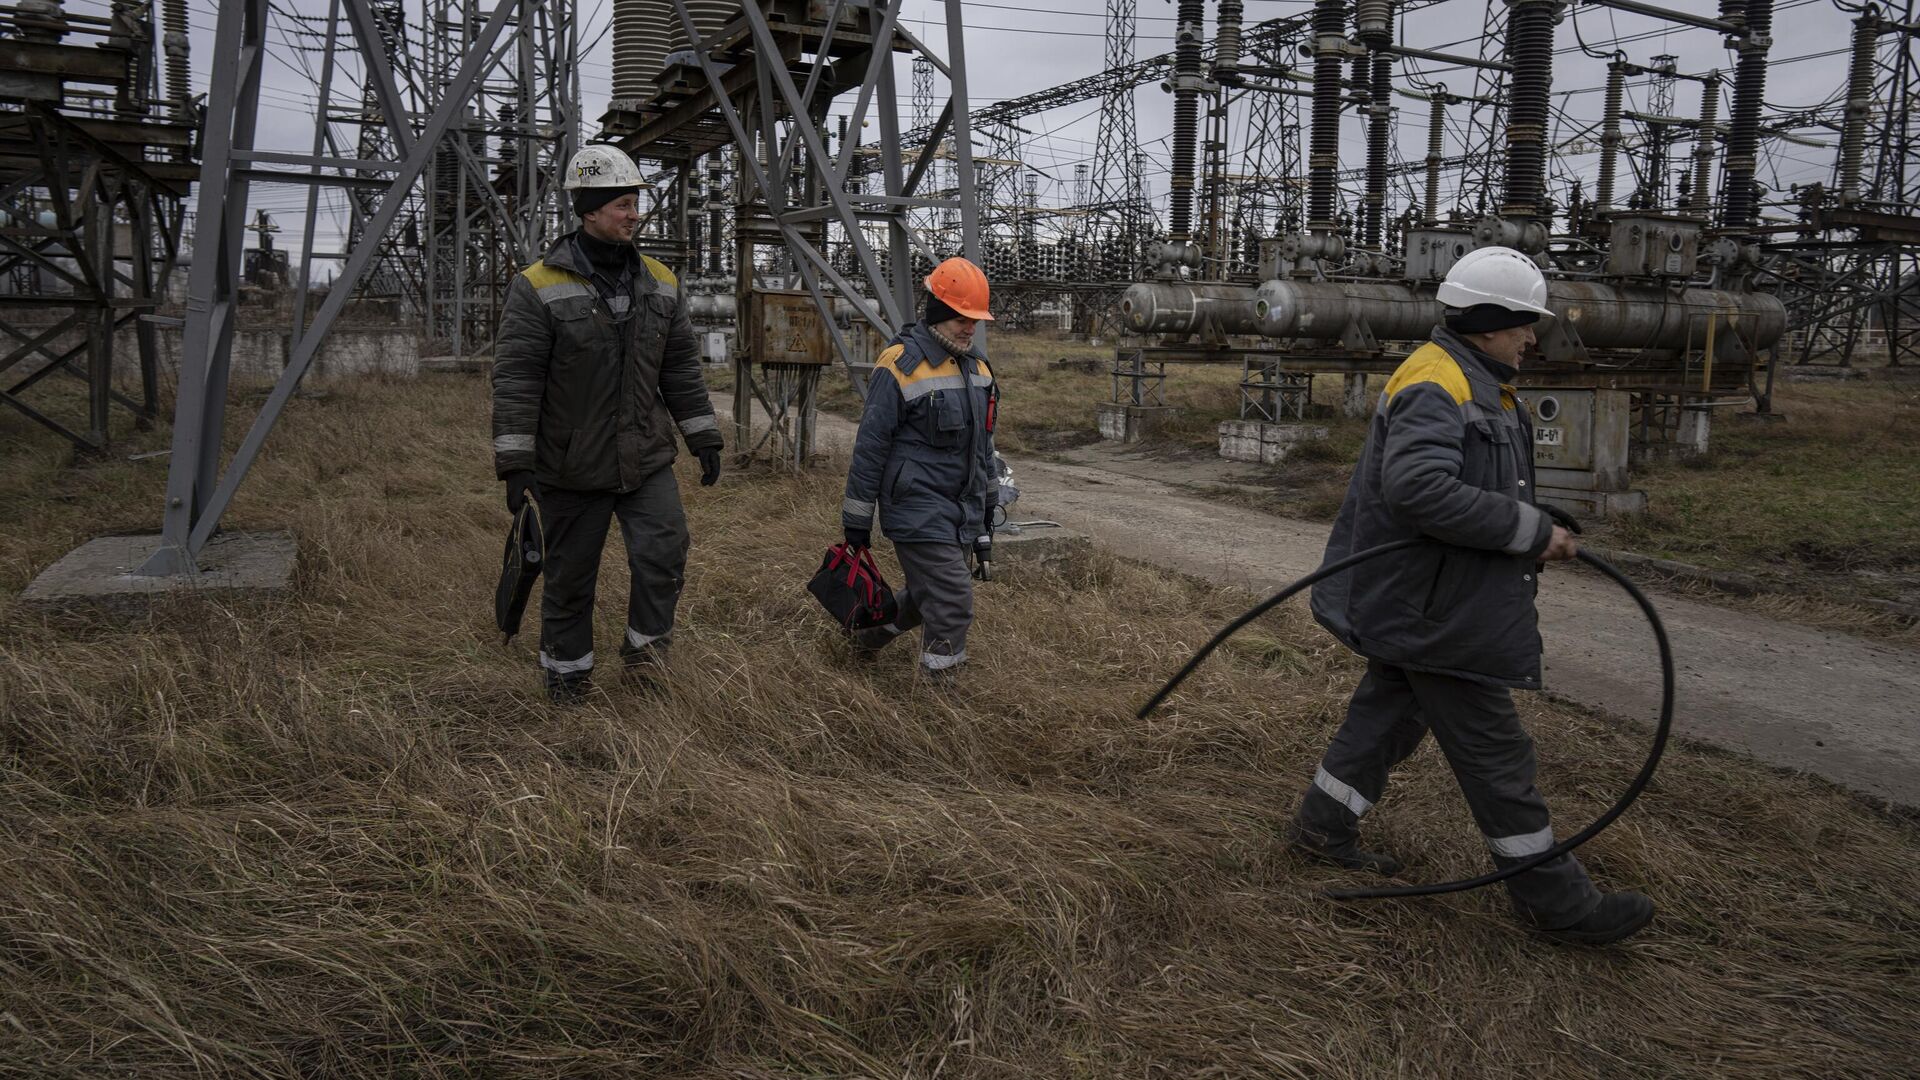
(836, 236)
(198, 490)
(1270, 393)
(1138, 380)
(493, 202)
(1853, 273)
(105, 176)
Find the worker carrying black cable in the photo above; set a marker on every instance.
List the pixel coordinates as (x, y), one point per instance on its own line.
(1448, 628)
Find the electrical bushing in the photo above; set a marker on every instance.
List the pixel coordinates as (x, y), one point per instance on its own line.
(1323, 152)
(1188, 76)
(1743, 132)
(1853, 131)
(1530, 29)
(1379, 135)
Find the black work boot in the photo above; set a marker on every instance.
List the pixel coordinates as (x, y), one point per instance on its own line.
(653, 655)
(646, 665)
(1618, 916)
(1346, 855)
(869, 641)
(568, 689)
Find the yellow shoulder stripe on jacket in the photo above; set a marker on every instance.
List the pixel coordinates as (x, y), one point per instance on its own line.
(540, 275)
(660, 272)
(925, 369)
(943, 367)
(1430, 364)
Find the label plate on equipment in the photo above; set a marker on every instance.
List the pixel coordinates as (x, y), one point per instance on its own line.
(1549, 436)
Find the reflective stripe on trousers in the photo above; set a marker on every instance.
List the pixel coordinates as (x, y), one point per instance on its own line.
(654, 530)
(1492, 758)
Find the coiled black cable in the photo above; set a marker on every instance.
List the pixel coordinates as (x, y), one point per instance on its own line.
(1660, 734)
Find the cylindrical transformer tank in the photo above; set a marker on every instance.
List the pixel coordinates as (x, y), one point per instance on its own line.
(1605, 316)
(1649, 317)
(1323, 309)
(1156, 307)
(714, 303)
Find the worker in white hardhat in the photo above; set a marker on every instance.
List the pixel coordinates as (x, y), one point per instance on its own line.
(595, 370)
(1449, 628)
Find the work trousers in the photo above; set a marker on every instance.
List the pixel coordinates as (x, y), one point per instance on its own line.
(1492, 757)
(655, 530)
(938, 598)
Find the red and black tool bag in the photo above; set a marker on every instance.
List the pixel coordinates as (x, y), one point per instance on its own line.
(848, 584)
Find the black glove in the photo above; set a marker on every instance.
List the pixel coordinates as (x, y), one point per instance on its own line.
(519, 485)
(859, 539)
(709, 465)
(1561, 518)
(983, 558)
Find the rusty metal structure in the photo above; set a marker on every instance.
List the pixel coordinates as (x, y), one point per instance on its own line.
(825, 254)
(95, 159)
(449, 135)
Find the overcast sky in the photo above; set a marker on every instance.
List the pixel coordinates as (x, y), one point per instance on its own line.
(1014, 49)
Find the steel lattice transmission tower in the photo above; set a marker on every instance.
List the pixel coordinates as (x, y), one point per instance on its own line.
(1272, 156)
(934, 225)
(479, 135)
(1120, 193)
(1485, 128)
(493, 199)
(389, 275)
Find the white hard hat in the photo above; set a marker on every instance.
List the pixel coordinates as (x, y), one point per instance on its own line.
(1496, 275)
(601, 167)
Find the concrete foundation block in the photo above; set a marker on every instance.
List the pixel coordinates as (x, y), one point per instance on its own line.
(1692, 437)
(1264, 443)
(263, 353)
(1132, 423)
(353, 350)
(1037, 548)
(1355, 401)
(100, 575)
(456, 365)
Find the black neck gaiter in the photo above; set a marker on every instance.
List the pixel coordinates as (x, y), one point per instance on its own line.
(608, 259)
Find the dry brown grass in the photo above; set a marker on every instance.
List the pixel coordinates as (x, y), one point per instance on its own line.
(1823, 500)
(342, 834)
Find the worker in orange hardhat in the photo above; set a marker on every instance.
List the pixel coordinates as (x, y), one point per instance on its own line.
(924, 461)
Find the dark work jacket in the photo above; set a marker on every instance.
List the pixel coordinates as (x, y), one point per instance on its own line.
(1449, 457)
(590, 383)
(924, 454)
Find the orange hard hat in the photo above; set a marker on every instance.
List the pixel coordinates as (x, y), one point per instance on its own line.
(961, 286)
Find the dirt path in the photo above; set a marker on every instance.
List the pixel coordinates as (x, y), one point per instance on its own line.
(1789, 695)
